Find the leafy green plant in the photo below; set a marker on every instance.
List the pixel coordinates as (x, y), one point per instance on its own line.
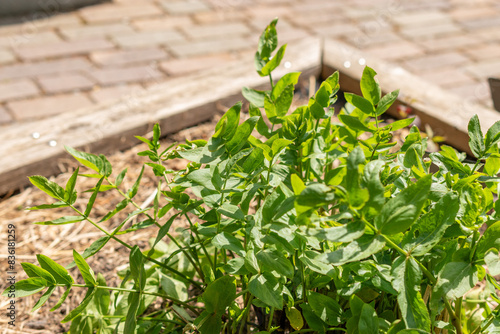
(296, 223)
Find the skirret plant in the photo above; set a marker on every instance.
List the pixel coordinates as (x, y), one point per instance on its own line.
(295, 223)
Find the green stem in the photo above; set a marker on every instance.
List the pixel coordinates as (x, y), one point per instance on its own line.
(199, 240)
(270, 323)
(490, 318)
(245, 314)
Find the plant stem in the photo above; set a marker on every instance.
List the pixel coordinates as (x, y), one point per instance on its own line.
(270, 323)
(199, 240)
(245, 314)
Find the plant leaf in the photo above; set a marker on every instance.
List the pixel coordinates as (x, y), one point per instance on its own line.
(83, 304)
(386, 102)
(476, 141)
(220, 294)
(326, 308)
(267, 288)
(85, 270)
(27, 287)
(356, 250)
(57, 271)
(369, 87)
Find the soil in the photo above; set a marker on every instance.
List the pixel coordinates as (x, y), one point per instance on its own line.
(57, 242)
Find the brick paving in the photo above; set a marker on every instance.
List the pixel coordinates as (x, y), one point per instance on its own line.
(52, 64)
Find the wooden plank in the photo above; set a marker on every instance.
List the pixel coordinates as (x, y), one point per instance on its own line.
(176, 104)
(446, 113)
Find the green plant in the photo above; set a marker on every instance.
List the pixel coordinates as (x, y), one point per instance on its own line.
(303, 225)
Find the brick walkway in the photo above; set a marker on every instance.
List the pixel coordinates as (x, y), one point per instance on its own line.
(54, 64)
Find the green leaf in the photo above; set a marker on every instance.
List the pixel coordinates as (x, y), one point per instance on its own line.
(93, 197)
(400, 212)
(240, 138)
(61, 300)
(133, 191)
(315, 195)
(492, 136)
(397, 125)
(295, 317)
(357, 196)
(360, 102)
(220, 294)
(386, 102)
(253, 96)
(284, 101)
(70, 195)
(476, 141)
(289, 79)
(174, 288)
(43, 298)
(262, 127)
(492, 262)
(431, 227)
(407, 279)
(228, 241)
(313, 321)
(322, 96)
(163, 232)
(274, 62)
(62, 220)
(354, 123)
(312, 260)
(137, 267)
(456, 279)
(297, 184)
(92, 249)
(369, 87)
(231, 211)
(356, 250)
(278, 145)
(57, 271)
(102, 296)
(34, 271)
(267, 288)
(273, 260)
(50, 188)
(85, 270)
(326, 308)
(83, 304)
(343, 233)
(89, 160)
(49, 206)
(371, 177)
(268, 41)
(27, 287)
(490, 239)
(231, 119)
(209, 323)
(120, 177)
(131, 318)
(368, 320)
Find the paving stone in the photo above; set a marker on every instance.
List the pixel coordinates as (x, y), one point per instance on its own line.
(466, 13)
(269, 12)
(309, 19)
(110, 76)
(39, 22)
(166, 22)
(430, 31)
(396, 51)
(65, 49)
(66, 82)
(303, 7)
(210, 46)
(15, 89)
(216, 30)
(337, 29)
(105, 94)
(114, 12)
(435, 61)
(482, 23)
(484, 69)
(450, 43)
(99, 30)
(484, 51)
(184, 7)
(44, 67)
(28, 39)
(148, 38)
(448, 77)
(125, 57)
(47, 106)
(187, 65)
(420, 18)
(487, 35)
(221, 16)
(6, 57)
(4, 116)
(362, 39)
